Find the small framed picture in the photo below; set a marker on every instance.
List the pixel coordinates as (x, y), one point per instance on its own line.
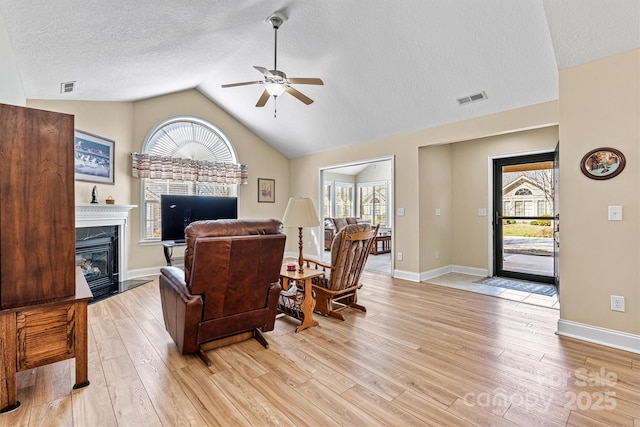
(602, 163)
(93, 158)
(266, 190)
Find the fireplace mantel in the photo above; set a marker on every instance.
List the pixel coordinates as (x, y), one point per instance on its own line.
(97, 215)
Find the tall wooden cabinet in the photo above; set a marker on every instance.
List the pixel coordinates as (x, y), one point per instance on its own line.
(43, 299)
(37, 206)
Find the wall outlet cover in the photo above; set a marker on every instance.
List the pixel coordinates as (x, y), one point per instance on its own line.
(617, 303)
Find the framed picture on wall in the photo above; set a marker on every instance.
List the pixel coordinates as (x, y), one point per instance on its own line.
(93, 158)
(266, 190)
(602, 163)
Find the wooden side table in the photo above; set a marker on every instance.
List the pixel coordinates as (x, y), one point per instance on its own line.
(309, 302)
(39, 334)
(384, 241)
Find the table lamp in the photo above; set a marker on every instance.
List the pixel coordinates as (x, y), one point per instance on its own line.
(300, 213)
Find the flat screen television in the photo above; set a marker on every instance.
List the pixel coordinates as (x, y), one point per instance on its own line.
(179, 211)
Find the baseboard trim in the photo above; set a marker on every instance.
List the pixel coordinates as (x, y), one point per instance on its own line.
(426, 275)
(152, 271)
(602, 336)
(406, 275)
(470, 270)
(430, 274)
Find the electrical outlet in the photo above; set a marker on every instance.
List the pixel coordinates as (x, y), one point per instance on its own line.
(399, 256)
(617, 303)
(437, 255)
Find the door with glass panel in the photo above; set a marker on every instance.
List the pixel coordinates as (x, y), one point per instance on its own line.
(524, 206)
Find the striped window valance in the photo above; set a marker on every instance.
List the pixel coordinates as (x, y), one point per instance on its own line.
(178, 169)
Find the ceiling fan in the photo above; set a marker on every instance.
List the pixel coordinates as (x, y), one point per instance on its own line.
(275, 81)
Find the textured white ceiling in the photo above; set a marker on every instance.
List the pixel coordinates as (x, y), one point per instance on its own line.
(388, 67)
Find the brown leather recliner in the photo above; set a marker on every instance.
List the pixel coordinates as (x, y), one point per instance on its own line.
(230, 284)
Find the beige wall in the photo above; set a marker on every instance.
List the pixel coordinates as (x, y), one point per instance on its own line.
(111, 120)
(436, 192)
(375, 172)
(471, 172)
(600, 107)
(455, 179)
(262, 159)
(128, 123)
(339, 177)
(405, 150)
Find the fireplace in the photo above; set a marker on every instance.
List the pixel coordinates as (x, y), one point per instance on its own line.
(97, 257)
(101, 233)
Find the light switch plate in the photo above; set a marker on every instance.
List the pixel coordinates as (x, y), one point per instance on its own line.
(400, 211)
(482, 212)
(615, 213)
(437, 211)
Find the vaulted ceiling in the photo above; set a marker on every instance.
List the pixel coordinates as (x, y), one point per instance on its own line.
(389, 67)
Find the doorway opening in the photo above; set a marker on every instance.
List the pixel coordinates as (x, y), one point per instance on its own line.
(524, 210)
(360, 191)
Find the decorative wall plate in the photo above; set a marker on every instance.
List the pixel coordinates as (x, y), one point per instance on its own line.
(602, 163)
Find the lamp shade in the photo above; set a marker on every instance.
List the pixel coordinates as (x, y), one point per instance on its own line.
(300, 212)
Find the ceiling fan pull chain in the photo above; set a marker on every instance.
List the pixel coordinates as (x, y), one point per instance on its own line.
(275, 106)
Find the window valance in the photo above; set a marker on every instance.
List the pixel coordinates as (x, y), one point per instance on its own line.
(178, 169)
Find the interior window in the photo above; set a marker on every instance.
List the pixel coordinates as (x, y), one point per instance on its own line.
(343, 200)
(373, 202)
(328, 200)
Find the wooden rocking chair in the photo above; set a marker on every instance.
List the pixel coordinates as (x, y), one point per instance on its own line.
(338, 288)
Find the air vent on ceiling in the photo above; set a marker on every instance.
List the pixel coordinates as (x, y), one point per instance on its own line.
(67, 87)
(472, 98)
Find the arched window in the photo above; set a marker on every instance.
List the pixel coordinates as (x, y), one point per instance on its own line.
(184, 155)
(523, 192)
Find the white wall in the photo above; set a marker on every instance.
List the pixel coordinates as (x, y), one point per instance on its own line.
(11, 90)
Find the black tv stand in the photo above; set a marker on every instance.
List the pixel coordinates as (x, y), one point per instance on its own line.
(167, 247)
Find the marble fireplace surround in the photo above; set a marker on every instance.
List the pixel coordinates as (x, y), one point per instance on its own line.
(98, 215)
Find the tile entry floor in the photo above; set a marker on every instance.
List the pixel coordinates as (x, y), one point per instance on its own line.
(382, 264)
(466, 282)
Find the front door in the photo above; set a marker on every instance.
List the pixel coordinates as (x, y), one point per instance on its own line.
(523, 217)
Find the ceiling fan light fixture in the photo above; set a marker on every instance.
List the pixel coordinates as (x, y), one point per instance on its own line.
(275, 89)
(275, 81)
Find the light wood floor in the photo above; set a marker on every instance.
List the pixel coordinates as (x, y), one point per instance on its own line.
(422, 355)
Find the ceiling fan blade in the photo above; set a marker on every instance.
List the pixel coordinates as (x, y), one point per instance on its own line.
(263, 71)
(305, 81)
(263, 99)
(299, 95)
(243, 83)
